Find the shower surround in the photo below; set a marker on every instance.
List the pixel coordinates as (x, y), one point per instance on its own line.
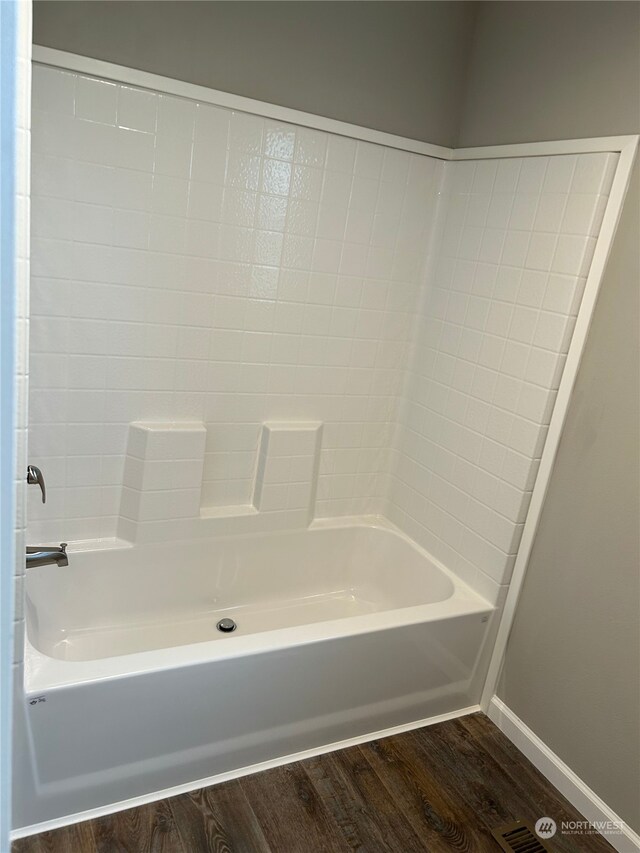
(489, 349)
(289, 376)
(192, 264)
(195, 263)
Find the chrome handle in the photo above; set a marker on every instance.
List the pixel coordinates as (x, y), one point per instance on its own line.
(35, 478)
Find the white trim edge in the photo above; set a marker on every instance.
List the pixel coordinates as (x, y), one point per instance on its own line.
(112, 808)
(561, 776)
(627, 146)
(588, 145)
(168, 85)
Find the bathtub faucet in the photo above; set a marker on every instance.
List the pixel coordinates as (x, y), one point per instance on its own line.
(44, 555)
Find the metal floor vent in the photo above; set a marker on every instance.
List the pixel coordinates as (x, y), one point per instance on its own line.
(519, 837)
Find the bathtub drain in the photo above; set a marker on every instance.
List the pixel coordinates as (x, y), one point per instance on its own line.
(226, 626)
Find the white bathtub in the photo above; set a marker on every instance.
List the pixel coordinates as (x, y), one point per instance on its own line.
(131, 690)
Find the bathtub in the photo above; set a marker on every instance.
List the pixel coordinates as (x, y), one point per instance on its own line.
(132, 691)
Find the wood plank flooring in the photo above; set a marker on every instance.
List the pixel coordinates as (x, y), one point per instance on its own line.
(437, 789)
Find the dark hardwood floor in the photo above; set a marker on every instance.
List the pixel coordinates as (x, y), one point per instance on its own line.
(437, 789)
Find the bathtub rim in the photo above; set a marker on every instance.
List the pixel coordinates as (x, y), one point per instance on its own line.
(45, 673)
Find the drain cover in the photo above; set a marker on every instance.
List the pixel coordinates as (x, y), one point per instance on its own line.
(226, 626)
(519, 837)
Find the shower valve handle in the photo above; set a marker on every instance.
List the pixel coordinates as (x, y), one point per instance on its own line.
(36, 478)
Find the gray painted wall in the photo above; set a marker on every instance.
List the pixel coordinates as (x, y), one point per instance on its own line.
(552, 70)
(572, 673)
(397, 67)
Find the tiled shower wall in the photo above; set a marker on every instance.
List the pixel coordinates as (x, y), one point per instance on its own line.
(490, 345)
(22, 249)
(196, 264)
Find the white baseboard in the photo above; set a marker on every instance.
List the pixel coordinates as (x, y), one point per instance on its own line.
(122, 805)
(562, 777)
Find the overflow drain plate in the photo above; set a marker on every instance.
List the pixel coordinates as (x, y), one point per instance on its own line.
(226, 626)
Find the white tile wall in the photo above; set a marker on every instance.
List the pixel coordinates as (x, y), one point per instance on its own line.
(192, 263)
(195, 264)
(489, 350)
(22, 186)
